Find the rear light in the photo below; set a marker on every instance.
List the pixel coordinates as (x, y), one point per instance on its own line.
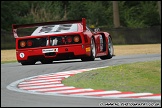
(69, 39)
(63, 40)
(76, 39)
(29, 43)
(22, 43)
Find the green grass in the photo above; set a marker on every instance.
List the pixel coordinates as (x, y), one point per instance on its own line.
(134, 77)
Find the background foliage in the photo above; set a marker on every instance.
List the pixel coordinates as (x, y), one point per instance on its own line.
(133, 15)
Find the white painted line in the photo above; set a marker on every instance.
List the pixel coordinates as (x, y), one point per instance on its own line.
(101, 92)
(28, 82)
(152, 97)
(72, 72)
(64, 73)
(47, 89)
(45, 78)
(53, 76)
(38, 84)
(37, 87)
(72, 91)
(125, 95)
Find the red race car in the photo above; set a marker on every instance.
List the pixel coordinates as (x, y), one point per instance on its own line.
(61, 40)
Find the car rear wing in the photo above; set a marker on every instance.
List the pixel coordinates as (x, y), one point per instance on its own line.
(15, 27)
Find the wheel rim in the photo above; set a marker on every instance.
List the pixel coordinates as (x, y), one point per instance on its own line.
(110, 46)
(93, 48)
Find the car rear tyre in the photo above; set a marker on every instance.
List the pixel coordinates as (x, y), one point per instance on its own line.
(110, 50)
(93, 52)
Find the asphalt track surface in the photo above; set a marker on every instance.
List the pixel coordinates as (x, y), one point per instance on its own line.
(12, 72)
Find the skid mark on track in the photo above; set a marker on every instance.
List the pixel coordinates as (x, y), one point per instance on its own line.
(51, 84)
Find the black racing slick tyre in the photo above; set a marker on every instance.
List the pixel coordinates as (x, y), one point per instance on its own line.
(93, 52)
(110, 50)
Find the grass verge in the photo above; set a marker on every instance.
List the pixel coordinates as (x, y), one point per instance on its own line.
(134, 77)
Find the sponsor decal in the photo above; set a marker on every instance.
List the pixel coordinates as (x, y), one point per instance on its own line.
(49, 50)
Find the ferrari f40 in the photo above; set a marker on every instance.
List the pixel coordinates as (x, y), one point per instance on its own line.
(61, 40)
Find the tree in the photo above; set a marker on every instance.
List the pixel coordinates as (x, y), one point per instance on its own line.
(159, 9)
(76, 10)
(11, 12)
(138, 14)
(96, 13)
(116, 14)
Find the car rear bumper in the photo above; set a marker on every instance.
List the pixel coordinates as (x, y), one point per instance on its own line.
(54, 52)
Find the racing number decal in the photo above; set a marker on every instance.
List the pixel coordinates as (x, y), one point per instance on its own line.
(22, 55)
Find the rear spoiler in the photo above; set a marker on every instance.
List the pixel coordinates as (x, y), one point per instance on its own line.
(15, 27)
